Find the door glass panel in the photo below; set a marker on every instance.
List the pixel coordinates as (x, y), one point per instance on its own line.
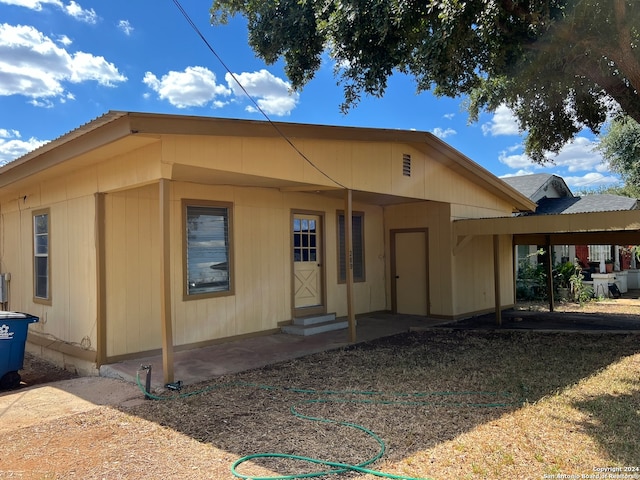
(305, 241)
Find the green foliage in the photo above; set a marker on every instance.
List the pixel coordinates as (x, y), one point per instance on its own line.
(563, 274)
(555, 63)
(580, 292)
(531, 281)
(625, 190)
(620, 145)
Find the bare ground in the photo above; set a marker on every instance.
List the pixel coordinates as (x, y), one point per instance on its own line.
(490, 403)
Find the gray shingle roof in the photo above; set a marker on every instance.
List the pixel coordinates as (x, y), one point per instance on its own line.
(535, 186)
(586, 204)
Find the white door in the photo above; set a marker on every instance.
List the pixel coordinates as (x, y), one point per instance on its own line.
(411, 272)
(307, 260)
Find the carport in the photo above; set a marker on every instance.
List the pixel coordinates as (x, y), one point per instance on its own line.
(615, 228)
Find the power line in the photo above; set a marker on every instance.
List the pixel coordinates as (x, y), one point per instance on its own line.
(235, 79)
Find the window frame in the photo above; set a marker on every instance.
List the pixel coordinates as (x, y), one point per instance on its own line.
(186, 203)
(35, 255)
(340, 229)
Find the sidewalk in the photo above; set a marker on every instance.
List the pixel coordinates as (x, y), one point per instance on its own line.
(197, 365)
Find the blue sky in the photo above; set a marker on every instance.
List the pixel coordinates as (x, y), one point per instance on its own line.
(64, 63)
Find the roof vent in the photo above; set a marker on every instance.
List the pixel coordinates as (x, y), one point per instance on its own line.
(406, 164)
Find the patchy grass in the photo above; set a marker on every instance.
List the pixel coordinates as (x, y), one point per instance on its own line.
(492, 405)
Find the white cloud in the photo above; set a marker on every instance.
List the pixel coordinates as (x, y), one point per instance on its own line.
(502, 123)
(79, 13)
(12, 146)
(443, 133)
(272, 94)
(64, 40)
(578, 156)
(194, 87)
(519, 173)
(33, 65)
(591, 180)
(32, 4)
(72, 8)
(125, 26)
(516, 160)
(449, 116)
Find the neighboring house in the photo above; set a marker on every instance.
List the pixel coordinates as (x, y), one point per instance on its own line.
(553, 197)
(140, 233)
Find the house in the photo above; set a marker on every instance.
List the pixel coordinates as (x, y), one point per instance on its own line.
(142, 233)
(553, 198)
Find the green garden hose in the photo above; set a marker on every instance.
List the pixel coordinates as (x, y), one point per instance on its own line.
(329, 467)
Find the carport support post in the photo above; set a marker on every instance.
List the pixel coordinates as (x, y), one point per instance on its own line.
(165, 280)
(348, 252)
(496, 278)
(549, 265)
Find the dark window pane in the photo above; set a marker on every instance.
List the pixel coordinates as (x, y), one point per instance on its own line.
(357, 226)
(42, 276)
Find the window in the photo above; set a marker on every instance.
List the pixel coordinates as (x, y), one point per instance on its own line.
(41, 250)
(207, 255)
(599, 253)
(357, 222)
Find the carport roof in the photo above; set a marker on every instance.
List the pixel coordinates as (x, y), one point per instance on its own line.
(619, 227)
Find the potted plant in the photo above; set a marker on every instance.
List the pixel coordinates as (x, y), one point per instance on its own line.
(608, 265)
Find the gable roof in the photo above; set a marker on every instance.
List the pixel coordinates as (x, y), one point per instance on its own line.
(539, 185)
(118, 131)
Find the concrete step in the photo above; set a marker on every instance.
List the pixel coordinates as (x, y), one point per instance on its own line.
(314, 319)
(315, 327)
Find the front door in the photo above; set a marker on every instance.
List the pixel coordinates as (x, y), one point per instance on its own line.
(410, 272)
(307, 264)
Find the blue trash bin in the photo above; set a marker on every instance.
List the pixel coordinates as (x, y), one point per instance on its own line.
(13, 337)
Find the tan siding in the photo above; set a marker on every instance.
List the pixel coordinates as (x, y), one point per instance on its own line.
(72, 313)
(368, 166)
(435, 217)
(414, 185)
(134, 168)
(474, 289)
(461, 211)
(132, 276)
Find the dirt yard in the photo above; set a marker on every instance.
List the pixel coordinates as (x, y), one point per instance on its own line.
(445, 403)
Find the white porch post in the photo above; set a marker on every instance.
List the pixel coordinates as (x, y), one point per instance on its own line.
(165, 280)
(348, 253)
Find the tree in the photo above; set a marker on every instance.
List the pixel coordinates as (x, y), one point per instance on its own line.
(620, 145)
(556, 63)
